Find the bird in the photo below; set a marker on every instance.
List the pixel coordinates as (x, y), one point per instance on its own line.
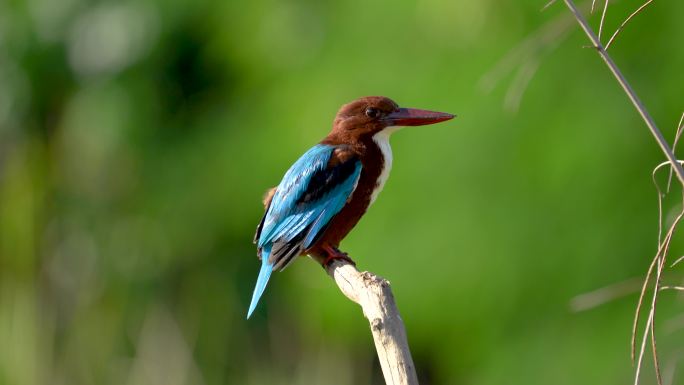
(324, 194)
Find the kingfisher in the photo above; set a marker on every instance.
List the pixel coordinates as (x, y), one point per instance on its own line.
(329, 188)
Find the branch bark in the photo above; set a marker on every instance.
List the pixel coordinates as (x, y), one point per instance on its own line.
(375, 296)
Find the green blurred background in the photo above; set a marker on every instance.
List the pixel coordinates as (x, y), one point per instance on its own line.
(137, 138)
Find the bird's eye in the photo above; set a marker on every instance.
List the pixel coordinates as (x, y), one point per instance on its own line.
(372, 112)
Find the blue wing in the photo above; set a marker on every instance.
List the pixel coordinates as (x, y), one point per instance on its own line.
(310, 194)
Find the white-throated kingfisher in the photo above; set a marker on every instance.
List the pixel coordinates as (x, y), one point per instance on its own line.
(329, 188)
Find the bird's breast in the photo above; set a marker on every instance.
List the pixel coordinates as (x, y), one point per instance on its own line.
(381, 139)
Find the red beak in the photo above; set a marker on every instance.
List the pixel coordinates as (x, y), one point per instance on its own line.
(415, 117)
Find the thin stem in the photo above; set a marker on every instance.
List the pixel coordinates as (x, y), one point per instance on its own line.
(674, 148)
(603, 19)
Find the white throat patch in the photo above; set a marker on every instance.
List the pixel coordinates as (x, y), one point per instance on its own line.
(382, 140)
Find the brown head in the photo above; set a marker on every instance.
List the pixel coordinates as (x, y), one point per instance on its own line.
(367, 116)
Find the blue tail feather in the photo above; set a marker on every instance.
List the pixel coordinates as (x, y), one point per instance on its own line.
(262, 280)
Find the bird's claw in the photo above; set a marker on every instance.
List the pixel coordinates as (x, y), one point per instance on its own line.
(334, 254)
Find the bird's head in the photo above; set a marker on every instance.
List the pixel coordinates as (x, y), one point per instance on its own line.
(367, 116)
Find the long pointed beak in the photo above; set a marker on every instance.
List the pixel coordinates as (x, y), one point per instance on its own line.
(416, 117)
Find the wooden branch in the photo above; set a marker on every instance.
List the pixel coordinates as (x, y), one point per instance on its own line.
(374, 295)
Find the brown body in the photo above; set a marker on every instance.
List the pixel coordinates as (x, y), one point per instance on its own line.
(372, 163)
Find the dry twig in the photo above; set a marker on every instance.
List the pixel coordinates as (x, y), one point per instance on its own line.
(677, 261)
(658, 261)
(664, 146)
(678, 134)
(550, 3)
(617, 31)
(603, 17)
(678, 288)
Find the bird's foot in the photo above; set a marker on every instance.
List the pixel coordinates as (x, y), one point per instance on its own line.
(333, 254)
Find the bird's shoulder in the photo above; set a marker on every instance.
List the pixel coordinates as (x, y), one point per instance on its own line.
(343, 154)
(323, 157)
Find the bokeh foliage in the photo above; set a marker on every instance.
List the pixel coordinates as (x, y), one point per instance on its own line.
(137, 137)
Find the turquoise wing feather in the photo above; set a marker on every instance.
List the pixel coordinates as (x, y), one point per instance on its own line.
(310, 194)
